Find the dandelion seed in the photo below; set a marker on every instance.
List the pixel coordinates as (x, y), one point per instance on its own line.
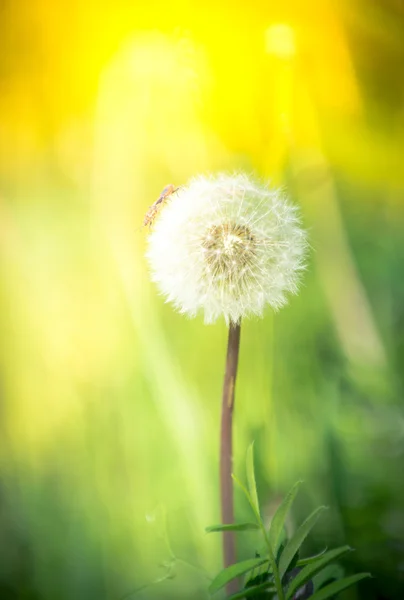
(227, 246)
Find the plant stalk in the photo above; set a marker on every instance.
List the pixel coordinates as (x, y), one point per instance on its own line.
(226, 450)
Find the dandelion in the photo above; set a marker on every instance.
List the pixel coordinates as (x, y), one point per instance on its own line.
(227, 246)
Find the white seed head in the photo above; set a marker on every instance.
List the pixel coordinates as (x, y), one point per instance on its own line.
(226, 245)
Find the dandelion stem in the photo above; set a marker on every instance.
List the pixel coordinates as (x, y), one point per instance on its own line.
(226, 449)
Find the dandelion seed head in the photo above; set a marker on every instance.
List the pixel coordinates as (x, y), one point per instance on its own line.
(227, 246)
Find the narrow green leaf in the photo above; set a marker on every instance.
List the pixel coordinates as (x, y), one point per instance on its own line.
(252, 486)
(232, 527)
(297, 540)
(278, 520)
(327, 575)
(281, 546)
(234, 571)
(246, 592)
(247, 495)
(293, 563)
(309, 559)
(338, 586)
(310, 570)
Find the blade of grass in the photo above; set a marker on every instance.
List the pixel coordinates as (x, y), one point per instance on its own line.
(232, 527)
(309, 559)
(278, 520)
(310, 570)
(252, 486)
(297, 539)
(338, 586)
(262, 587)
(250, 500)
(329, 574)
(234, 571)
(272, 561)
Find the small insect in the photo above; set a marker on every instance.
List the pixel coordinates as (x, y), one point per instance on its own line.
(157, 206)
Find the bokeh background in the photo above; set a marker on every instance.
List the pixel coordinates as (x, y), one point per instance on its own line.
(109, 400)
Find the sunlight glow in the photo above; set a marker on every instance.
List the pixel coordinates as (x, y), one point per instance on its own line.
(280, 40)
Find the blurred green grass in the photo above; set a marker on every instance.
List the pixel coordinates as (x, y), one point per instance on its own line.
(132, 422)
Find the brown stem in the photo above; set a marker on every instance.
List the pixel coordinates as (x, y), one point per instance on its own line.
(226, 449)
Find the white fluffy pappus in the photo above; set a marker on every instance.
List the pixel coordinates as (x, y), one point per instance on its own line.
(226, 245)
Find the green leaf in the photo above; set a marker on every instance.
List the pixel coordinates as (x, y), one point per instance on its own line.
(260, 578)
(297, 540)
(234, 571)
(293, 563)
(327, 575)
(232, 527)
(247, 495)
(338, 586)
(251, 591)
(309, 559)
(278, 520)
(281, 547)
(262, 587)
(252, 486)
(310, 570)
